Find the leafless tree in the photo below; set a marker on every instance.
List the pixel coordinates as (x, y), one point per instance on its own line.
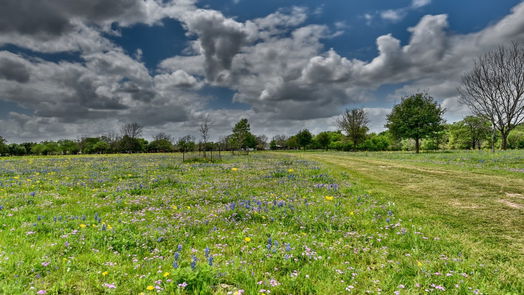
(494, 89)
(204, 132)
(132, 130)
(354, 122)
(163, 136)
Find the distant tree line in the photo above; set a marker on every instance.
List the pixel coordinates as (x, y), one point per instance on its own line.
(473, 132)
(493, 90)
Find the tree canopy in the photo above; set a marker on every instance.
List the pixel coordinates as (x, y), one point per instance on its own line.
(417, 117)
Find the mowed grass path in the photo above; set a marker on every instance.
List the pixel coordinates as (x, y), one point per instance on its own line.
(475, 196)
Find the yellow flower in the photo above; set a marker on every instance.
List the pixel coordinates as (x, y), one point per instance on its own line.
(83, 225)
(329, 198)
(166, 274)
(105, 273)
(419, 263)
(234, 169)
(247, 239)
(290, 170)
(174, 207)
(351, 213)
(150, 288)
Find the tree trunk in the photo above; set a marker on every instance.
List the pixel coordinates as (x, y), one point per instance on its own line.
(504, 136)
(493, 140)
(417, 145)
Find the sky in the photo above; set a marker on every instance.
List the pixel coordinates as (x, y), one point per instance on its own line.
(71, 69)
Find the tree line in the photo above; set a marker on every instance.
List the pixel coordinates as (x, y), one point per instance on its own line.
(493, 90)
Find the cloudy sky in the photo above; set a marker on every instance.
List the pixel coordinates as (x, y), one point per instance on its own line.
(83, 68)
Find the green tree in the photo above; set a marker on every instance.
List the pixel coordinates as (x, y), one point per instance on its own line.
(160, 146)
(185, 144)
(479, 130)
(17, 149)
(416, 117)
(101, 147)
(3, 146)
(242, 137)
(304, 138)
(323, 139)
(69, 147)
(354, 123)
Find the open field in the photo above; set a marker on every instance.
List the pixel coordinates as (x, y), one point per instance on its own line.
(279, 223)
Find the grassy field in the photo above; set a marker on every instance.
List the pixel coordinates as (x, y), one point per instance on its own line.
(279, 223)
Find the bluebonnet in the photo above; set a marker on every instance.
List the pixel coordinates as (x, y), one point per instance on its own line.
(206, 252)
(193, 262)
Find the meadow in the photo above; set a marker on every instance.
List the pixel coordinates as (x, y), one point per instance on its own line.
(267, 223)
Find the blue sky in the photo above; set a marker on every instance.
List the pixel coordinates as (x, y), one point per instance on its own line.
(84, 68)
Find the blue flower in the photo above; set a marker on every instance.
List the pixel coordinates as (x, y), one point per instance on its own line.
(193, 262)
(210, 260)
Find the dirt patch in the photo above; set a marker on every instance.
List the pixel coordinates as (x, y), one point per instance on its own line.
(510, 204)
(460, 205)
(518, 196)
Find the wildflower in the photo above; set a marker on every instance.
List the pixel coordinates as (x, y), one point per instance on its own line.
(166, 274)
(419, 263)
(179, 248)
(349, 288)
(45, 263)
(206, 252)
(329, 198)
(351, 213)
(175, 264)
(210, 260)
(109, 286)
(274, 283)
(41, 292)
(83, 225)
(247, 239)
(105, 273)
(193, 262)
(174, 207)
(150, 288)
(290, 170)
(234, 169)
(183, 285)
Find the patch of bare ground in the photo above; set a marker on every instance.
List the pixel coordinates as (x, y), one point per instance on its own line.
(510, 204)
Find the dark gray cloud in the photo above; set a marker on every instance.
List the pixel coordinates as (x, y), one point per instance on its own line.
(12, 68)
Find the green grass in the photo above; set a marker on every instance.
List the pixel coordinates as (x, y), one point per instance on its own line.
(308, 223)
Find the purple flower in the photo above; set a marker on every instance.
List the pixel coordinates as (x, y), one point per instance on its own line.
(41, 292)
(183, 285)
(109, 286)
